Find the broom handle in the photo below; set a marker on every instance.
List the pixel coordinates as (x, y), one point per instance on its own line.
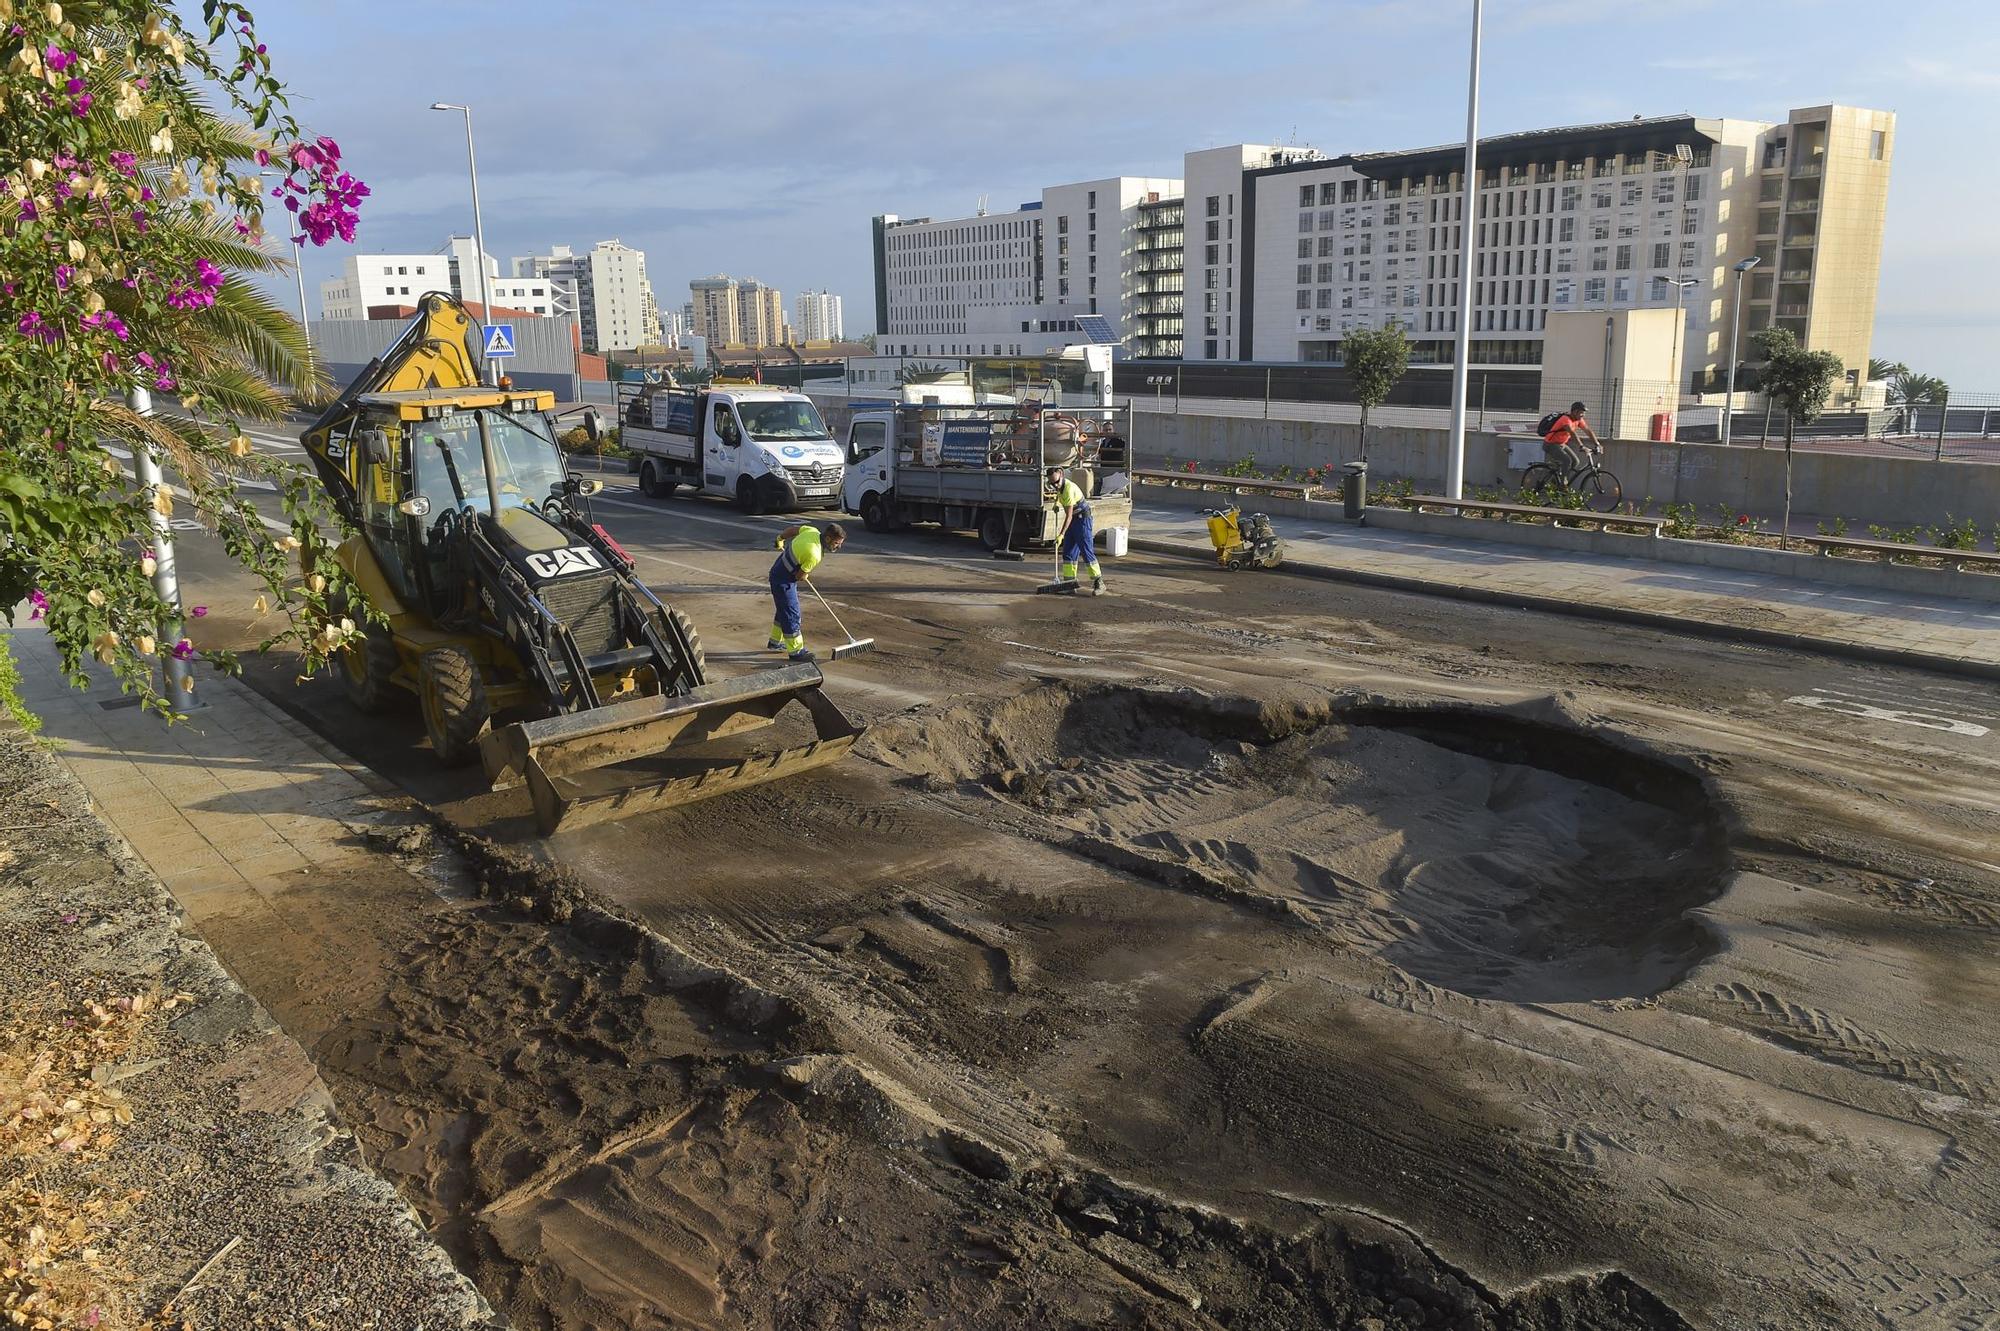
(829, 609)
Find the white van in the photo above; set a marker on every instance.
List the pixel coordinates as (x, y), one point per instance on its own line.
(765, 448)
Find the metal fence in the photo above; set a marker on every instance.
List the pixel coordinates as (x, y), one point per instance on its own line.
(1965, 427)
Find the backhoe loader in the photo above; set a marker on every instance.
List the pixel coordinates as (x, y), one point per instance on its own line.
(507, 604)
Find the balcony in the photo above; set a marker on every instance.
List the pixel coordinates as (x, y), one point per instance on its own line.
(1802, 206)
(1792, 311)
(1795, 275)
(1807, 167)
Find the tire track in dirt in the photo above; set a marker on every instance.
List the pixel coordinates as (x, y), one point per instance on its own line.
(1844, 1043)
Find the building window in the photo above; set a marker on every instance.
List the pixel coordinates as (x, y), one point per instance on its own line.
(1566, 229)
(1662, 253)
(1305, 249)
(1687, 254)
(1663, 190)
(1593, 290)
(1693, 189)
(1306, 298)
(1215, 205)
(1878, 145)
(1215, 231)
(1305, 221)
(1305, 196)
(1062, 225)
(1091, 221)
(1093, 198)
(1690, 221)
(1305, 273)
(1622, 290)
(1600, 258)
(1208, 348)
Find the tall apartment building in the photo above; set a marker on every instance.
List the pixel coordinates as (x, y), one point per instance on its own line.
(816, 316)
(388, 282)
(760, 313)
(611, 294)
(1588, 217)
(714, 312)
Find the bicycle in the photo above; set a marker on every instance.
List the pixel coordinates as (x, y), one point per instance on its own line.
(1599, 489)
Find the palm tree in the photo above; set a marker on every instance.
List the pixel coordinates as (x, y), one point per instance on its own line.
(1909, 391)
(1885, 369)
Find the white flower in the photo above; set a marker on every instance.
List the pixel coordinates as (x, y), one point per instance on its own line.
(77, 253)
(163, 501)
(148, 564)
(94, 596)
(239, 447)
(145, 644)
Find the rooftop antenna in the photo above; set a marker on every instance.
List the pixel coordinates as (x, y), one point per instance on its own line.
(982, 205)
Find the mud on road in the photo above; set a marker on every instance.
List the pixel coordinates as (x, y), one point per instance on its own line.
(1189, 960)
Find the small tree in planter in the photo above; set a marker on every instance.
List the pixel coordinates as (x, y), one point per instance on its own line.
(1800, 381)
(1376, 358)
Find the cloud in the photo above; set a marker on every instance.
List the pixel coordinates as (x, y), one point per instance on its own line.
(1716, 68)
(1978, 74)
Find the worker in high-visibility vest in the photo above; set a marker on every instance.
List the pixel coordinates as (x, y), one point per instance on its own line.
(1078, 542)
(800, 550)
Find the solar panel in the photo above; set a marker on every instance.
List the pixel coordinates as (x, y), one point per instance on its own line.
(1097, 328)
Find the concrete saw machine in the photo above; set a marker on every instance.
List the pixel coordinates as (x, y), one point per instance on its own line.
(516, 620)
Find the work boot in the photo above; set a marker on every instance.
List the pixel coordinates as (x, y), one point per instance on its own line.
(1097, 586)
(803, 654)
(774, 645)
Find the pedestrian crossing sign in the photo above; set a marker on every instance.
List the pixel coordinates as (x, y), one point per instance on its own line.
(499, 341)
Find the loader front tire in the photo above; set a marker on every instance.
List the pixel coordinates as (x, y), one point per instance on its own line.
(368, 668)
(696, 659)
(454, 704)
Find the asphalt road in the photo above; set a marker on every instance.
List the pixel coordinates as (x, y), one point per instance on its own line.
(1479, 976)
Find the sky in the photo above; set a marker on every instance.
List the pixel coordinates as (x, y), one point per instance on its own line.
(759, 139)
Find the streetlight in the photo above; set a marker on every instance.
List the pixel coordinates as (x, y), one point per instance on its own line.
(478, 230)
(1680, 285)
(1454, 481)
(299, 272)
(1735, 326)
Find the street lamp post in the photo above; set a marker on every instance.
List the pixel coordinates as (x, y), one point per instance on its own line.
(299, 272)
(1735, 326)
(1454, 485)
(478, 231)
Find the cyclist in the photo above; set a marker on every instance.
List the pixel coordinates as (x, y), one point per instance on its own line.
(1559, 444)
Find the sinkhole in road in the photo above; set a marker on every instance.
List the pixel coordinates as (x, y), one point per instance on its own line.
(1495, 854)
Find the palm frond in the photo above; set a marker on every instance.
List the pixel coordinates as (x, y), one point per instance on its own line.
(177, 439)
(246, 326)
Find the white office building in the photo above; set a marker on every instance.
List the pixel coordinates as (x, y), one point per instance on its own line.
(383, 283)
(816, 316)
(606, 287)
(1591, 217)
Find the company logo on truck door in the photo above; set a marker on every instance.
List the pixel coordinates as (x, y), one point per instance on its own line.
(562, 563)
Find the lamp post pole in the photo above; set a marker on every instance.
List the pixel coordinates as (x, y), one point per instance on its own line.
(1454, 485)
(1735, 327)
(478, 235)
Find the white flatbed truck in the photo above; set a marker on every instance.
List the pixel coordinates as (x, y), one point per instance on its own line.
(765, 448)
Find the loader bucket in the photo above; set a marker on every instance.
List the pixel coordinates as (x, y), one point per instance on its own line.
(545, 754)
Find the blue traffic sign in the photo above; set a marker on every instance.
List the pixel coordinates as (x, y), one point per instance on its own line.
(499, 341)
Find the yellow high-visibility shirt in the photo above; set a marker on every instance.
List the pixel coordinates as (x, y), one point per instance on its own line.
(805, 550)
(1070, 495)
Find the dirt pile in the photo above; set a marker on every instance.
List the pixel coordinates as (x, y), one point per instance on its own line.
(1492, 854)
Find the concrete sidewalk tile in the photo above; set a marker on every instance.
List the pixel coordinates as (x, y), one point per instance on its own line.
(236, 834)
(211, 892)
(177, 852)
(270, 863)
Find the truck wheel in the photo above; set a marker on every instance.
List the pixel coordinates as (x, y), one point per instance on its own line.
(995, 529)
(746, 496)
(368, 668)
(875, 512)
(652, 482)
(454, 704)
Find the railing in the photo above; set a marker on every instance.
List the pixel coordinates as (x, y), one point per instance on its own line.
(1795, 275)
(1897, 552)
(1597, 521)
(1802, 206)
(1811, 168)
(1201, 480)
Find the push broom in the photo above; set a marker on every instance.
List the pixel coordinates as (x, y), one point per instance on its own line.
(853, 646)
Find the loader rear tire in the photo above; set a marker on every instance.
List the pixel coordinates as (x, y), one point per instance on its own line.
(368, 667)
(454, 704)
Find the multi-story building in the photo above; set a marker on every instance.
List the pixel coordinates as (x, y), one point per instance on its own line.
(1591, 217)
(760, 315)
(375, 285)
(1015, 283)
(713, 310)
(816, 315)
(610, 292)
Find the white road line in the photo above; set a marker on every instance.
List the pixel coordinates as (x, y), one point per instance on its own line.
(1828, 701)
(1940, 697)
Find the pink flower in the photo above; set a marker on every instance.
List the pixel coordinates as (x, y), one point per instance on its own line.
(124, 163)
(112, 365)
(64, 272)
(29, 212)
(208, 274)
(63, 161)
(183, 650)
(58, 59)
(109, 322)
(199, 611)
(263, 157)
(82, 105)
(32, 324)
(242, 227)
(38, 604)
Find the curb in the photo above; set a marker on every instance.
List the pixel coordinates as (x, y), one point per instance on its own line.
(1555, 605)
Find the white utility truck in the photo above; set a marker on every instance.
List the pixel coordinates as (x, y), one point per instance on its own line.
(984, 468)
(765, 448)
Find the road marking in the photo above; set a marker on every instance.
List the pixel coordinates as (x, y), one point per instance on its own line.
(1030, 647)
(1832, 700)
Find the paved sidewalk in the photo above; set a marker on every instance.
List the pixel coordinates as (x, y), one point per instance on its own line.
(1940, 633)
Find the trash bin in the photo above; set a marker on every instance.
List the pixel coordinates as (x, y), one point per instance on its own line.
(1354, 489)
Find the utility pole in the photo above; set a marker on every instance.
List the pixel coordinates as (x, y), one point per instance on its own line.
(1735, 327)
(491, 371)
(1454, 483)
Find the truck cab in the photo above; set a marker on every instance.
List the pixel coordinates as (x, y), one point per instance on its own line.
(766, 448)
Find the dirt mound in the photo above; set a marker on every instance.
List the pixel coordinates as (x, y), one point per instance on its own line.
(1483, 851)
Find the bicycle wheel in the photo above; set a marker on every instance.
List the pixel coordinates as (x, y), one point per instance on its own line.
(1540, 477)
(1600, 490)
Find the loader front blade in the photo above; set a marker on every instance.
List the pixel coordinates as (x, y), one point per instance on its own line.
(545, 753)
